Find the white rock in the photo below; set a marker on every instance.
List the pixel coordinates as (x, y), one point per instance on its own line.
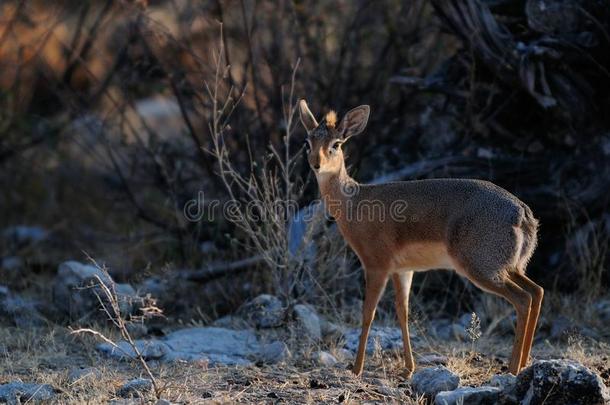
(275, 352)
(308, 321)
(330, 330)
(18, 392)
(76, 295)
(469, 395)
(432, 359)
(264, 311)
(323, 358)
(230, 322)
(560, 382)
(150, 349)
(345, 355)
(507, 383)
(388, 338)
(213, 340)
(217, 346)
(431, 381)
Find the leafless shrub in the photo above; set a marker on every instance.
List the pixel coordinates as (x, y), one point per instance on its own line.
(110, 304)
(264, 198)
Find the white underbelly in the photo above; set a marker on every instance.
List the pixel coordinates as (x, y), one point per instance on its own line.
(422, 256)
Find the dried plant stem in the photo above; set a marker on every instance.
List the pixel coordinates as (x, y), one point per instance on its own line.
(109, 302)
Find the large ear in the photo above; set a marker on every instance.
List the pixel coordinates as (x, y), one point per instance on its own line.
(307, 118)
(354, 121)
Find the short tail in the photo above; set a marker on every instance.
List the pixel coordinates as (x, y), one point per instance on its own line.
(529, 227)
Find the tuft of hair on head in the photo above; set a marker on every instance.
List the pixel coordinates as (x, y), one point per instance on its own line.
(330, 119)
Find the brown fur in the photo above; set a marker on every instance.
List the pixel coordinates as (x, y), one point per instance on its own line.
(478, 229)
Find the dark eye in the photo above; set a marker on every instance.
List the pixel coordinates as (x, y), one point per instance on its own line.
(307, 147)
(335, 146)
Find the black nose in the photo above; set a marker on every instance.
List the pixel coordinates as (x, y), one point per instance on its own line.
(316, 166)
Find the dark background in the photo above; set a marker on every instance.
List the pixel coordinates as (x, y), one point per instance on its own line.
(105, 119)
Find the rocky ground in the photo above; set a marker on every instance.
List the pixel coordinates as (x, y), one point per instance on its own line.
(269, 351)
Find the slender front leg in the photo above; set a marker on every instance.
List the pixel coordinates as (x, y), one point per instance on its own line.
(402, 287)
(375, 284)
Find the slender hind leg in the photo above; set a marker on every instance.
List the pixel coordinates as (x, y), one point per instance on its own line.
(375, 284)
(522, 301)
(402, 286)
(537, 294)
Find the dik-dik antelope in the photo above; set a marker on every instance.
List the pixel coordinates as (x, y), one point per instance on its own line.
(471, 226)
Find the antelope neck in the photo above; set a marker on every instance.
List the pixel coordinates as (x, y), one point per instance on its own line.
(335, 189)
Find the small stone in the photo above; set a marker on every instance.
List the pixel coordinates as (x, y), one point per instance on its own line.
(323, 358)
(503, 381)
(149, 349)
(210, 345)
(275, 352)
(308, 321)
(387, 338)
(213, 341)
(344, 355)
(18, 392)
(330, 330)
(79, 374)
(469, 395)
(230, 322)
(77, 291)
(135, 388)
(432, 359)
(431, 381)
(264, 311)
(507, 383)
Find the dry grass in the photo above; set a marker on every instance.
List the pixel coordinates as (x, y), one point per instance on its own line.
(298, 381)
(47, 355)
